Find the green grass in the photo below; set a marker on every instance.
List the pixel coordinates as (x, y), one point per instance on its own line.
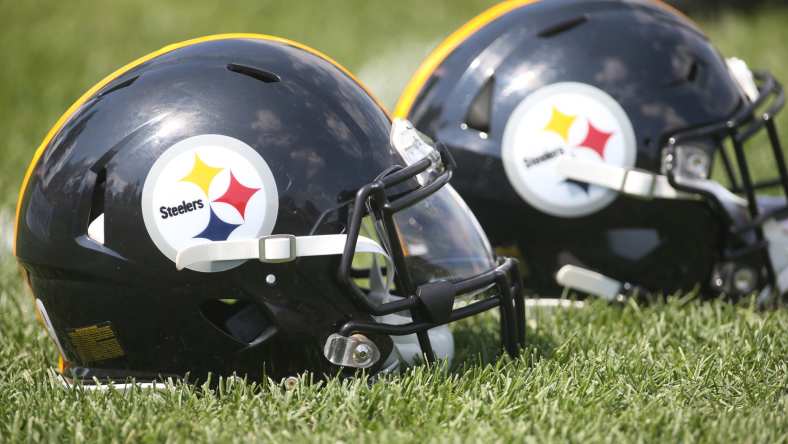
(678, 371)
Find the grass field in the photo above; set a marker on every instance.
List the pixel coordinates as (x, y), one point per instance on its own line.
(679, 371)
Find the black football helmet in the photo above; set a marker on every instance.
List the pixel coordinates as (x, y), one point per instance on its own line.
(607, 139)
(239, 204)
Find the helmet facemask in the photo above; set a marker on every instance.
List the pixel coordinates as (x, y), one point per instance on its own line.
(754, 257)
(431, 274)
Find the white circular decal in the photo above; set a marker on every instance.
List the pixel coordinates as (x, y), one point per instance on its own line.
(565, 119)
(208, 188)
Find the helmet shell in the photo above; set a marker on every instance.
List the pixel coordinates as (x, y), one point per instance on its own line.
(651, 60)
(320, 133)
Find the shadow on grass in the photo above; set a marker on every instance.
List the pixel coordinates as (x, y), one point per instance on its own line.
(477, 343)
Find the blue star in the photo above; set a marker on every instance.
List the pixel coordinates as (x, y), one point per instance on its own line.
(217, 229)
(582, 185)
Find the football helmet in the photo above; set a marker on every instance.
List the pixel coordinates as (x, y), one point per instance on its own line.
(240, 205)
(612, 143)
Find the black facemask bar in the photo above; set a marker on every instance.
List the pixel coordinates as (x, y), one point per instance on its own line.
(743, 126)
(431, 304)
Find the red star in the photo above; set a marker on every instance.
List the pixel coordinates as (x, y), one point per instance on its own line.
(596, 140)
(237, 195)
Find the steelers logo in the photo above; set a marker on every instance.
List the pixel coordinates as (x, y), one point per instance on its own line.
(565, 120)
(208, 188)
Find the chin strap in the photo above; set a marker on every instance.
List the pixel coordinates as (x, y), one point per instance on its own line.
(625, 180)
(278, 248)
(635, 182)
(743, 76)
(777, 235)
(593, 283)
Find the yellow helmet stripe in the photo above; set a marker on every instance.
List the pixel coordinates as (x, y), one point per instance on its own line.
(169, 48)
(674, 10)
(446, 47)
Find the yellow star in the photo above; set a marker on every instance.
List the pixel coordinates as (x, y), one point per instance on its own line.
(201, 174)
(560, 123)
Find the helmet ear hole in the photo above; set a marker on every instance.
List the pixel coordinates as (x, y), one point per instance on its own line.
(692, 72)
(97, 198)
(478, 116)
(241, 319)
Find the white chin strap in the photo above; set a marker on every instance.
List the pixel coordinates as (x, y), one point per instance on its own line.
(777, 236)
(278, 248)
(635, 182)
(591, 282)
(630, 181)
(743, 76)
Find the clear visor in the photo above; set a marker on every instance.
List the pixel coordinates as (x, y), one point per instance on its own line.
(442, 239)
(439, 236)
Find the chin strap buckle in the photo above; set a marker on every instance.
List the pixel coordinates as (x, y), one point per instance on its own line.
(356, 351)
(277, 248)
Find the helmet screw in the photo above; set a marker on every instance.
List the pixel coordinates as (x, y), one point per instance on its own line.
(361, 354)
(270, 280)
(291, 382)
(744, 279)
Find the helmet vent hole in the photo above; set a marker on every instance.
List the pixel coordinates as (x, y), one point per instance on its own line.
(255, 73)
(478, 116)
(119, 86)
(240, 319)
(566, 25)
